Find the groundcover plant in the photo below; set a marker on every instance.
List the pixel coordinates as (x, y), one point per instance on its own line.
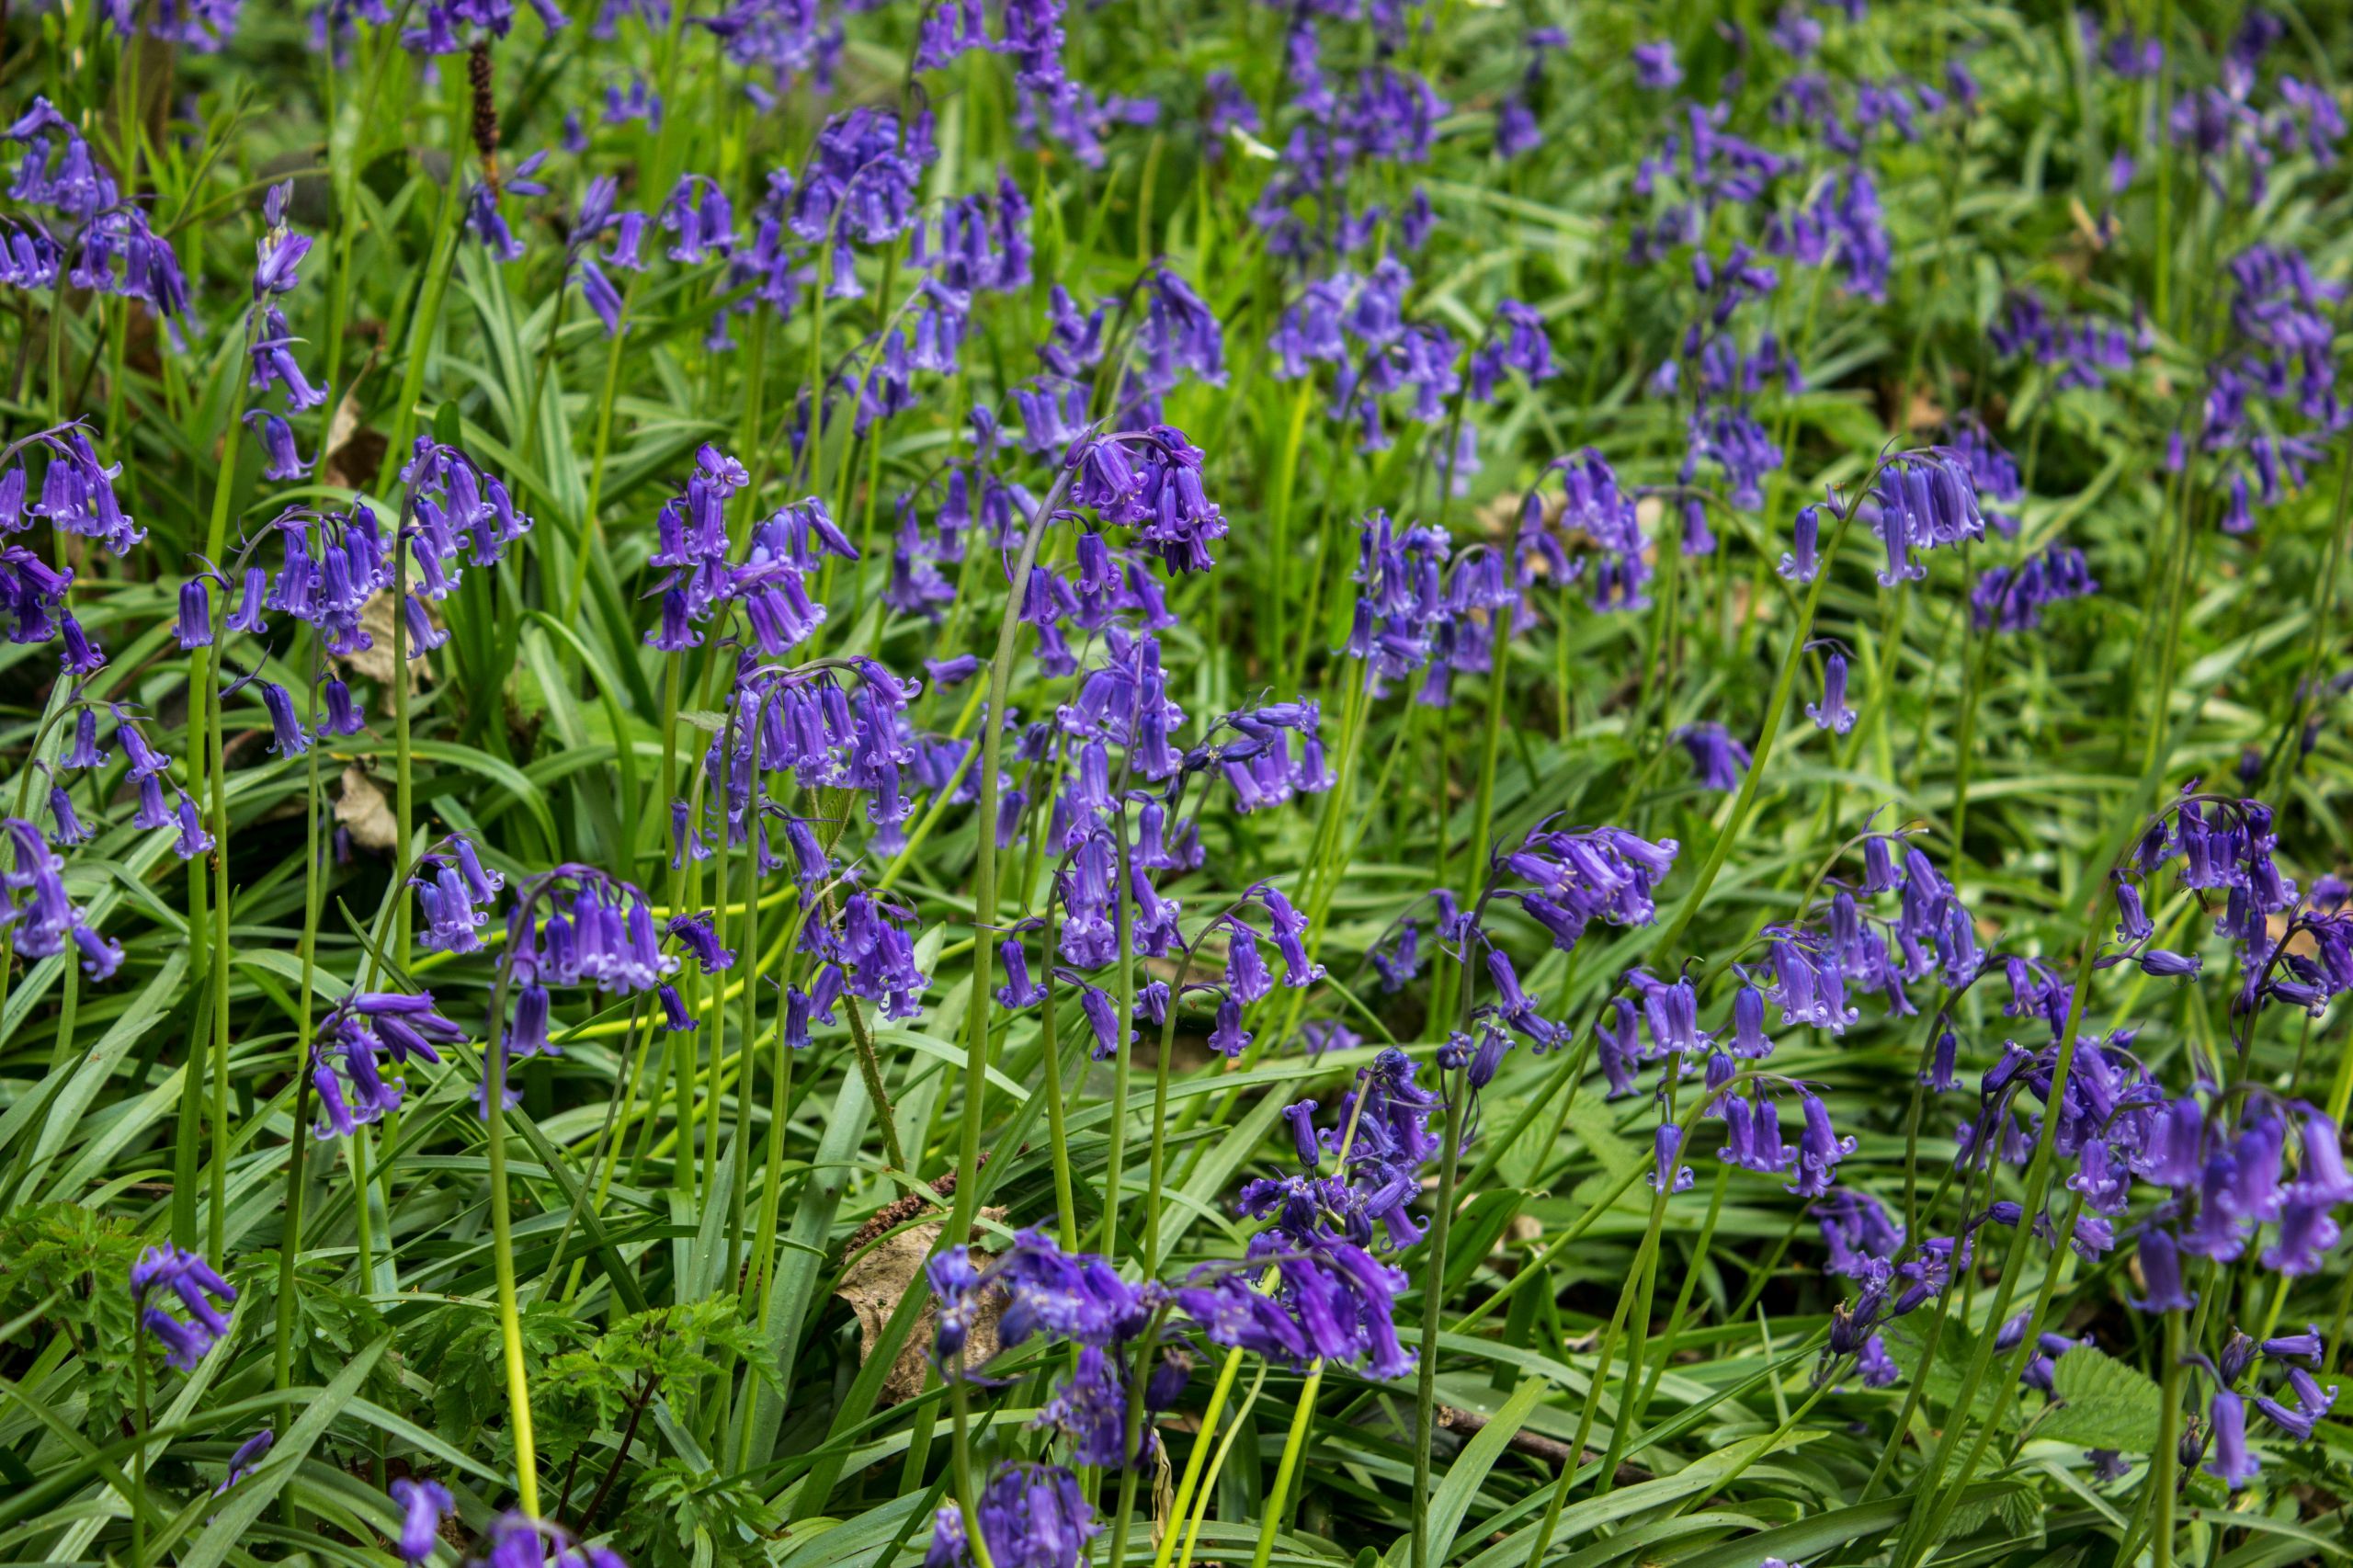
(801, 783)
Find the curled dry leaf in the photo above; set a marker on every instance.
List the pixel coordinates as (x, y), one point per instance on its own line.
(361, 809)
(352, 451)
(375, 662)
(873, 1285)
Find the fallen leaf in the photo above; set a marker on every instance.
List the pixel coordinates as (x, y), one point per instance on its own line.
(362, 809)
(345, 422)
(375, 662)
(874, 1285)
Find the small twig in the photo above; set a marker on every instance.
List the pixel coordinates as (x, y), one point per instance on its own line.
(629, 1436)
(901, 1210)
(1535, 1445)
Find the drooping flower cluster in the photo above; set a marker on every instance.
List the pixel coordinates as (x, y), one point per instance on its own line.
(186, 1278)
(2271, 403)
(518, 1541)
(1032, 1515)
(269, 340)
(76, 497)
(623, 234)
(2012, 598)
(1922, 500)
(2232, 1462)
(1596, 526)
(38, 917)
(1078, 1297)
(1310, 1286)
(1358, 323)
(452, 501)
(572, 925)
(331, 564)
(90, 236)
(353, 1040)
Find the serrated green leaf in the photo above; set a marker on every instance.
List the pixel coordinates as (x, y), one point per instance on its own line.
(2099, 1401)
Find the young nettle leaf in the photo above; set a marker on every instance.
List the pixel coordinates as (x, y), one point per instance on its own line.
(2100, 1402)
(460, 1343)
(682, 1517)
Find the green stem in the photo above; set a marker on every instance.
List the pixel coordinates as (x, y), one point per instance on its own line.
(1776, 708)
(967, 1499)
(1124, 999)
(584, 543)
(1483, 815)
(1294, 1441)
(139, 1455)
(1965, 740)
(1050, 1057)
(205, 771)
(1434, 1301)
(502, 1230)
(291, 1246)
(984, 891)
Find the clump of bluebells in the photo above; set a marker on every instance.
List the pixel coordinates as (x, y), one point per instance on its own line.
(915, 537)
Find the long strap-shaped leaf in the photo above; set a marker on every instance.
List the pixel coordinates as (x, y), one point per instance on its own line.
(249, 1497)
(52, 1117)
(1820, 1532)
(1469, 1472)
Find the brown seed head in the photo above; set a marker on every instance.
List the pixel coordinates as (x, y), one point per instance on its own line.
(485, 111)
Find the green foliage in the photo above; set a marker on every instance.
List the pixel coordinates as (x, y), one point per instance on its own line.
(682, 1517)
(69, 1267)
(591, 1390)
(1622, 1379)
(2100, 1402)
(461, 1345)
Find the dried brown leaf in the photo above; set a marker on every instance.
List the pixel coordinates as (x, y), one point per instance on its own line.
(360, 809)
(881, 1277)
(375, 662)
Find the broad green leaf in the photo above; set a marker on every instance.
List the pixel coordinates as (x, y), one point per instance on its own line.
(2100, 1402)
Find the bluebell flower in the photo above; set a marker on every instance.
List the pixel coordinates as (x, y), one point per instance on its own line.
(1332, 1300)
(37, 917)
(2298, 1420)
(1031, 1515)
(195, 629)
(1666, 1175)
(1304, 1137)
(1227, 1037)
(1718, 761)
(424, 1504)
(248, 1454)
(2306, 1234)
(277, 445)
(2161, 1271)
(343, 716)
(2232, 1463)
(1832, 712)
(1076, 1296)
(84, 750)
(2009, 600)
(200, 1293)
(1820, 1148)
(1091, 1406)
(287, 737)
